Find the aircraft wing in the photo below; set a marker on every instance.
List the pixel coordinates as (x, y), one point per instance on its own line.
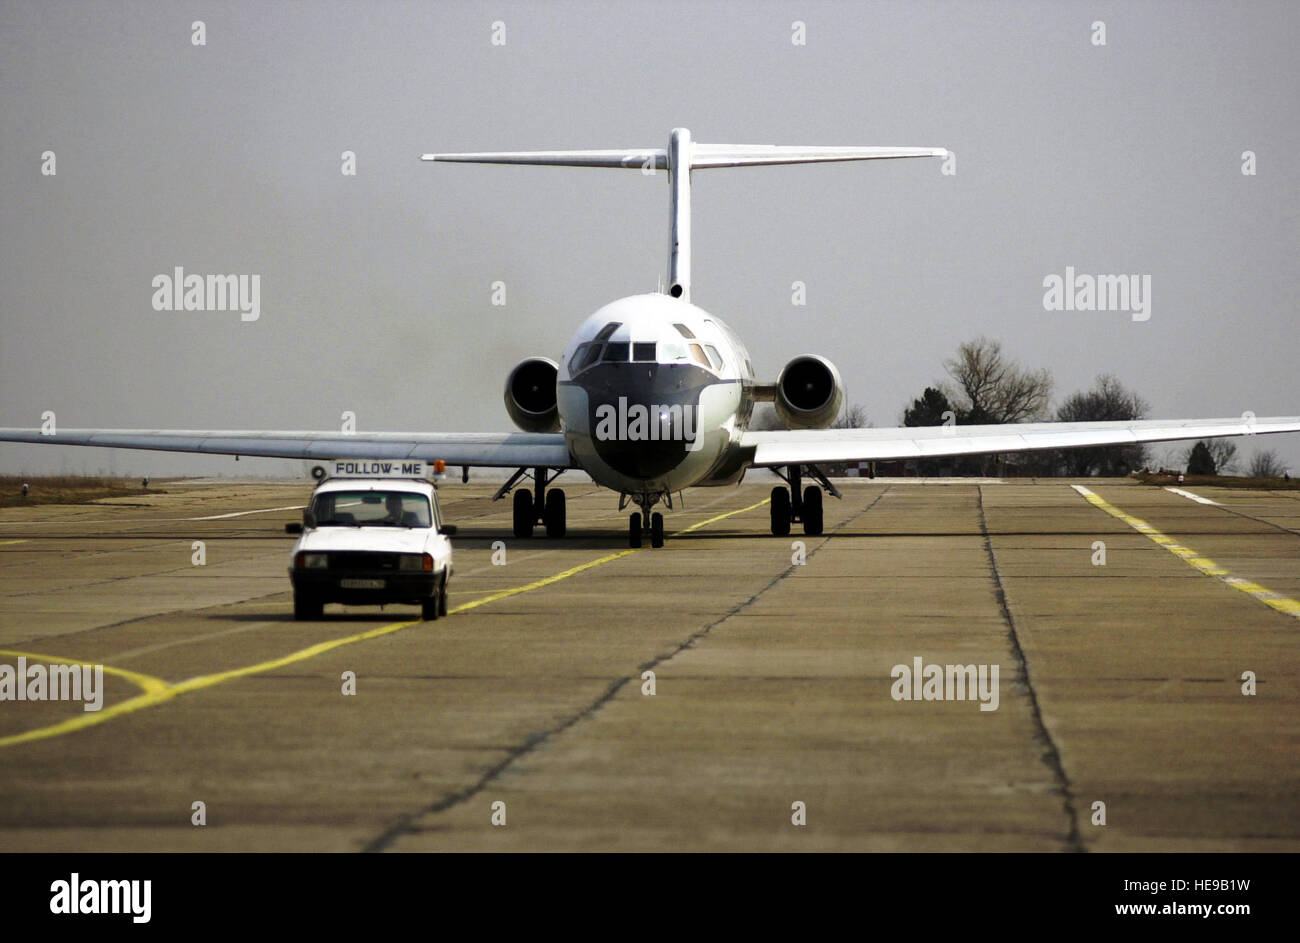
(810, 446)
(498, 449)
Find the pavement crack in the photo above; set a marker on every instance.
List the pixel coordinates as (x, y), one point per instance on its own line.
(406, 824)
(1052, 755)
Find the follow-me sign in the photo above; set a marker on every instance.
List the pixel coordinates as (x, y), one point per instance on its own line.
(354, 468)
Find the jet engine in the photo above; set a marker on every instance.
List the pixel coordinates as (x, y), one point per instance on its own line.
(808, 393)
(530, 395)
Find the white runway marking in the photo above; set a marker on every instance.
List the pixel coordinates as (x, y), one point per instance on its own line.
(217, 517)
(1194, 497)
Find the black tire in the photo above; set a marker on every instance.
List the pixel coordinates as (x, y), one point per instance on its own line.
(524, 517)
(442, 598)
(634, 530)
(812, 511)
(429, 608)
(656, 529)
(307, 607)
(780, 511)
(555, 514)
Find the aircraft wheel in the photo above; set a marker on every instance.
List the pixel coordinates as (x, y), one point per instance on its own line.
(524, 517)
(780, 511)
(634, 530)
(555, 514)
(812, 511)
(656, 529)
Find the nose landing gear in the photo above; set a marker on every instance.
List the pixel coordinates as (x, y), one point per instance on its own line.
(639, 523)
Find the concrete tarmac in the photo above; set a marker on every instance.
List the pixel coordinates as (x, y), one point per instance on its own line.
(1120, 677)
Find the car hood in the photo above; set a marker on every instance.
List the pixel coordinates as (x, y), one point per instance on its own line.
(361, 539)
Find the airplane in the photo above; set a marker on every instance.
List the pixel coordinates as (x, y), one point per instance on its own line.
(653, 394)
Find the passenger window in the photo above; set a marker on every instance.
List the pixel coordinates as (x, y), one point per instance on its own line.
(643, 353)
(615, 352)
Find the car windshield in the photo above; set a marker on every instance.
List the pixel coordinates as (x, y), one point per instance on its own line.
(371, 509)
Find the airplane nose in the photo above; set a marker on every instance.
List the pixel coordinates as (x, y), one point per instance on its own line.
(644, 416)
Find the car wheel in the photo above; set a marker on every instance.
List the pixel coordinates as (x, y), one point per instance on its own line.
(307, 607)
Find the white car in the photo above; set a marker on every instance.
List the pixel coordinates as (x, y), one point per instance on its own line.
(371, 535)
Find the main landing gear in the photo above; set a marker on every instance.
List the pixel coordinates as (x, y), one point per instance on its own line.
(538, 506)
(789, 505)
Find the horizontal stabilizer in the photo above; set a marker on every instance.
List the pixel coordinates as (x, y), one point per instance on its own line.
(656, 158)
(754, 155)
(701, 156)
(679, 158)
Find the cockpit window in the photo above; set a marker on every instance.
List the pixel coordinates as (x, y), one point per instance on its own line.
(608, 330)
(615, 352)
(584, 357)
(575, 362)
(670, 351)
(644, 352)
(684, 331)
(714, 356)
(697, 354)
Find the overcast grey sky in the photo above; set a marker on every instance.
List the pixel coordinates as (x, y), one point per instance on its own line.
(376, 288)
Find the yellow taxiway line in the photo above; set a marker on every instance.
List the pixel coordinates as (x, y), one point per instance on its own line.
(156, 691)
(1274, 600)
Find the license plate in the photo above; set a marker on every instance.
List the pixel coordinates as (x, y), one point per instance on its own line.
(361, 584)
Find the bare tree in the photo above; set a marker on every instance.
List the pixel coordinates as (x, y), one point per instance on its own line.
(1107, 401)
(1266, 464)
(993, 389)
(989, 388)
(853, 417)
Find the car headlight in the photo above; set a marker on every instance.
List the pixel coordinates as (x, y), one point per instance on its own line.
(415, 561)
(311, 561)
